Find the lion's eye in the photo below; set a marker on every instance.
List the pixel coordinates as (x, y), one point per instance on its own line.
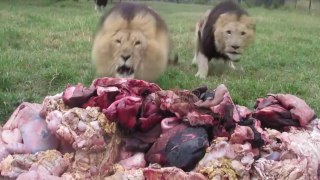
(243, 33)
(228, 32)
(137, 43)
(118, 41)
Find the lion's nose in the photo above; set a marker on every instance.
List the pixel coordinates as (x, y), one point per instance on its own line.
(235, 47)
(125, 58)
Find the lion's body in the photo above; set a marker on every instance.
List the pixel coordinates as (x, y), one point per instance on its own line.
(132, 42)
(223, 33)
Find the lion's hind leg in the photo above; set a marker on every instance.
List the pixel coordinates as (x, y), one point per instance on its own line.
(196, 42)
(203, 66)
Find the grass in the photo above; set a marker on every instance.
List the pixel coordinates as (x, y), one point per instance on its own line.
(45, 45)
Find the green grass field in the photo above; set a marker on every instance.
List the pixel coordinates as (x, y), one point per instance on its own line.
(46, 45)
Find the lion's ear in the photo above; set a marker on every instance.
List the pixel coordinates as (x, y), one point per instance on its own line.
(250, 23)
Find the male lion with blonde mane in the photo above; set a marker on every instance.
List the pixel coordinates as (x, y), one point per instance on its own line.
(132, 41)
(223, 33)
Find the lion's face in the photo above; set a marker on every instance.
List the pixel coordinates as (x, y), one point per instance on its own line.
(132, 41)
(233, 35)
(128, 48)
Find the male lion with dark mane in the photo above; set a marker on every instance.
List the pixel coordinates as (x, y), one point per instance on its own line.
(132, 42)
(223, 33)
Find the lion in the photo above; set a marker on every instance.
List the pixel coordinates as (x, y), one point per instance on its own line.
(133, 42)
(222, 33)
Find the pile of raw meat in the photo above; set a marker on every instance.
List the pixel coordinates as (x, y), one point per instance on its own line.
(131, 129)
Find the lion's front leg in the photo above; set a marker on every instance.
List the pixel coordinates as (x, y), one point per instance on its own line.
(234, 68)
(231, 65)
(194, 60)
(203, 66)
